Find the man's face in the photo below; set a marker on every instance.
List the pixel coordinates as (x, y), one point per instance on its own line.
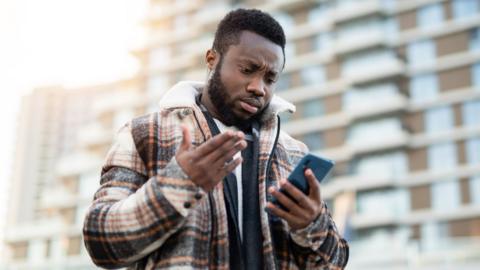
(243, 80)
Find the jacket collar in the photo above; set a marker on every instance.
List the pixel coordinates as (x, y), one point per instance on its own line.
(183, 95)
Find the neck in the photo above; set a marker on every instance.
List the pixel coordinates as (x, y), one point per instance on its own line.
(207, 102)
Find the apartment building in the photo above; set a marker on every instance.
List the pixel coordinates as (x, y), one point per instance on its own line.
(59, 152)
(388, 89)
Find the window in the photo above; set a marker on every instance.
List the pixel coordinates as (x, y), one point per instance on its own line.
(319, 13)
(367, 62)
(285, 20)
(313, 108)
(476, 76)
(470, 113)
(384, 203)
(475, 39)
(464, 8)
(312, 75)
(365, 97)
(432, 233)
(391, 165)
(313, 141)
(284, 82)
(364, 29)
(423, 87)
(421, 53)
(430, 16)
(290, 51)
(473, 150)
(285, 117)
(374, 131)
(442, 156)
(439, 119)
(445, 195)
(475, 190)
(322, 42)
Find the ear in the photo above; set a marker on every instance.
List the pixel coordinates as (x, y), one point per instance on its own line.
(211, 57)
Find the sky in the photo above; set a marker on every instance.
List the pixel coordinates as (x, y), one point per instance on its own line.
(61, 42)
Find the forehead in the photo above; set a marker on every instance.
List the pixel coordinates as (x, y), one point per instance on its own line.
(258, 50)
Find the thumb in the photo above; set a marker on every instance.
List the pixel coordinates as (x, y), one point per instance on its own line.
(186, 139)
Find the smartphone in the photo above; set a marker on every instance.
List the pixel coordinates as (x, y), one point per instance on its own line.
(320, 167)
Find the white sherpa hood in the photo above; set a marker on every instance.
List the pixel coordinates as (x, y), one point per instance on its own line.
(183, 94)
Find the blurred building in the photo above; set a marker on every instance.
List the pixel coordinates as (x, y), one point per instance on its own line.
(59, 151)
(388, 89)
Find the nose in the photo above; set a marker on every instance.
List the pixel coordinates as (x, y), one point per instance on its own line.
(256, 86)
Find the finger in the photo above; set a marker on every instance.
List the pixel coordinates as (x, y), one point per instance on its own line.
(211, 145)
(231, 166)
(295, 193)
(281, 213)
(292, 207)
(228, 149)
(227, 156)
(314, 192)
(186, 139)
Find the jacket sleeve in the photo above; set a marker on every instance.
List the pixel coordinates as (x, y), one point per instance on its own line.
(132, 214)
(319, 245)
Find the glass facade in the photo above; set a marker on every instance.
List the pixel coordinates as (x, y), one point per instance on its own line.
(475, 190)
(383, 203)
(430, 16)
(423, 87)
(313, 140)
(470, 113)
(473, 150)
(368, 96)
(312, 75)
(476, 76)
(388, 165)
(313, 108)
(438, 119)
(442, 156)
(421, 53)
(374, 131)
(366, 62)
(445, 195)
(463, 9)
(475, 39)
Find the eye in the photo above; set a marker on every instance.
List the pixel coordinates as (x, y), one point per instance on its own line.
(246, 71)
(270, 80)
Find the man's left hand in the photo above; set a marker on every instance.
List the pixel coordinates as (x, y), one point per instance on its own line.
(303, 209)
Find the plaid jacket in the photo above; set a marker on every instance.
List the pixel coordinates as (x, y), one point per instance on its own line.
(147, 214)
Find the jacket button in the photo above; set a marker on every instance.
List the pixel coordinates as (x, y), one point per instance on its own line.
(187, 204)
(198, 196)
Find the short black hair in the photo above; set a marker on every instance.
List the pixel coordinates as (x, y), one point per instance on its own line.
(257, 21)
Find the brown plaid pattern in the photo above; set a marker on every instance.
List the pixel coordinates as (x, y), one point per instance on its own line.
(147, 214)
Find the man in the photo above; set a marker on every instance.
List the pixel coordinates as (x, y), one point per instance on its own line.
(189, 187)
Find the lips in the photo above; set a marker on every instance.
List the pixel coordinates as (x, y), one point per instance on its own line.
(251, 106)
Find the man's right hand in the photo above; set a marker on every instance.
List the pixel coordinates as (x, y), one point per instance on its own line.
(209, 163)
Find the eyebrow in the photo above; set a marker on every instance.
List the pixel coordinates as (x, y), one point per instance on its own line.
(255, 64)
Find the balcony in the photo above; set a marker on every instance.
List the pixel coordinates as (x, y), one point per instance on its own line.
(94, 135)
(78, 163)
(358, 9)
(364, 41)
(382, 70)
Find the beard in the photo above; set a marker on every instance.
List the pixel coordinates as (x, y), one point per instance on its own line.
(222, 102)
